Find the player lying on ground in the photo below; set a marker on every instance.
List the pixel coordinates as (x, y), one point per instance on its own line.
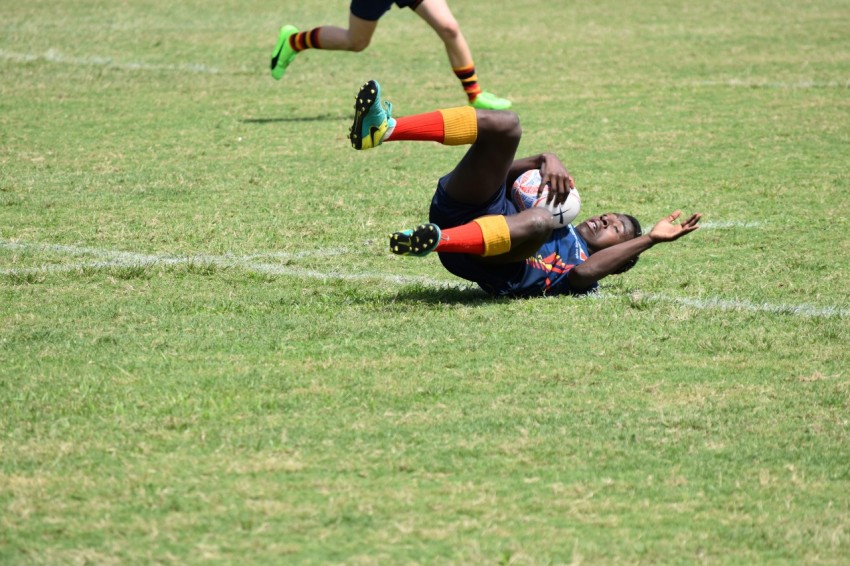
(362, 22)
(474, 227)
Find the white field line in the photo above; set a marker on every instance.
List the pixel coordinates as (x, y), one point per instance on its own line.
(107, 258)
(721, 225)
(51, 56)
(716, 303)
(146, 258)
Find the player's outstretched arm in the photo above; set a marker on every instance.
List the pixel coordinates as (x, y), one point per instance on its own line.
(667, 231)
(610, 260)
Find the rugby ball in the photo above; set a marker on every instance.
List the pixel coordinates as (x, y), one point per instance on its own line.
(524, 195)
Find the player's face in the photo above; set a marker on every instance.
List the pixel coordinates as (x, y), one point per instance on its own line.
(604, 231)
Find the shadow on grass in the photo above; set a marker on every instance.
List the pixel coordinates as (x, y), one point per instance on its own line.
(470, 296)
(319, 118)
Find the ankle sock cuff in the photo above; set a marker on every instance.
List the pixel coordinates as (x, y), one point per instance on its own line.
(460, 125)
(497, 235)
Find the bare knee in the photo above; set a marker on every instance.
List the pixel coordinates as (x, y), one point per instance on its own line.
(358, 44)
(501, 123)
(448, 31)
(529, 230)
(534, 224)
(540, 223)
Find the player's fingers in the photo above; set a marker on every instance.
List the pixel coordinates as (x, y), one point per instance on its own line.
(674, 216)
(567, 185)
(545, 181)
(692, 220)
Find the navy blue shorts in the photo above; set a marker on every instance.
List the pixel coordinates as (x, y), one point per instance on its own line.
(447, 213)
(372, 10)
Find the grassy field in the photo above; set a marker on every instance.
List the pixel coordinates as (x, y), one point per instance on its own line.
(207, 353)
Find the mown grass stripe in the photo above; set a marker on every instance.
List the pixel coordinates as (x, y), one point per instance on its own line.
(117, 259)
(52, 56)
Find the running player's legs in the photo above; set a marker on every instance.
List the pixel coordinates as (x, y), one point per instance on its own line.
(291, 42)
(438, 15)
(355, 38)
(483, 170)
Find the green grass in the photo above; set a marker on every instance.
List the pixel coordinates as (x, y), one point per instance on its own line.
(207, 353)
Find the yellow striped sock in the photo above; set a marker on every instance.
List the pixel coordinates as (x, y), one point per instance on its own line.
(469, 80)
(497, 235)
(460, 125)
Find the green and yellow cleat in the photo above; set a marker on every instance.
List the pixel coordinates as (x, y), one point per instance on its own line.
(489, 101)
(418, 242)
(283, 54)
(371, 117)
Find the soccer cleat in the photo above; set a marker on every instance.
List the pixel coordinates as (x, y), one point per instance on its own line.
(283, 54)
(371, 117)
(489, 101)
(418, 242)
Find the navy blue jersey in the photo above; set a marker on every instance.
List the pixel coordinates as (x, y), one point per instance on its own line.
(545, 273)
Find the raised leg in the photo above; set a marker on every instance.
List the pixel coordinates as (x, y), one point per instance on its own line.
(483, 169)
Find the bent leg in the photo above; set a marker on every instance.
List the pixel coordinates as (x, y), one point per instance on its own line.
(481, 173)
(497, 239)
(529, 230)
(355, 38)
(438, 15)
(484, 168)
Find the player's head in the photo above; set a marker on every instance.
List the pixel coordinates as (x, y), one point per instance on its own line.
(610, 229)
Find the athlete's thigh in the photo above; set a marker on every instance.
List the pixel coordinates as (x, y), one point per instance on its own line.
(480, 174)
(447, 212)
(360, 31)
(482, 171)
(436, 12)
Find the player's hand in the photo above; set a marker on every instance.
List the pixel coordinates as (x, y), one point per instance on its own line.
(554, 174)
(667, 230)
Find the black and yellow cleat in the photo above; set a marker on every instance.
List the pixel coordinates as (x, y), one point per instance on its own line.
(418, 242)
(371, 117)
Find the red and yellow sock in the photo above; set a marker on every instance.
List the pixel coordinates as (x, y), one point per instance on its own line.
(469, 79)
(305, 40)
(450, 126)
(485, 236)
